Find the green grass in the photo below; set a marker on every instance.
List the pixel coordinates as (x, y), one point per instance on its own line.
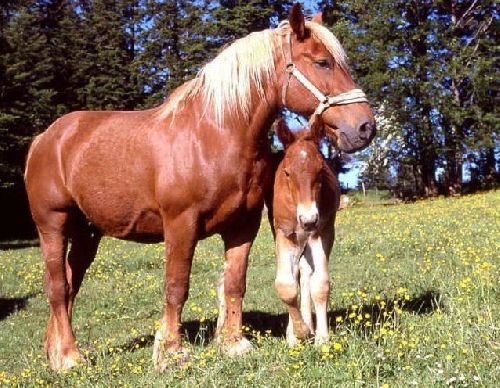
(371, 198)
(414, 302)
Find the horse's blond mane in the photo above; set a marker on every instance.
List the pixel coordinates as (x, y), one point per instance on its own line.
(226, 81)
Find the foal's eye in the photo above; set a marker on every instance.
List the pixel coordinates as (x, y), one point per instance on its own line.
(323, 63)
(287, 174)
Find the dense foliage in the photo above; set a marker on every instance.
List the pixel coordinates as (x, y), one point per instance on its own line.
(431, 68)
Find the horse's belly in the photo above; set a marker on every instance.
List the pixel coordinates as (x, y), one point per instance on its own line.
(119, 205)
(126, 220)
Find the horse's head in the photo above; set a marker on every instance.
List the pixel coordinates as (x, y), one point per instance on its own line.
(316, 80)
(303, 167)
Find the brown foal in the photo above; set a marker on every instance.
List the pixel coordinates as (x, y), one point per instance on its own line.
(306, 199)
(195, 166)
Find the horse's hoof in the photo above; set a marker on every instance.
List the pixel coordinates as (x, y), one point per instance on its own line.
(60, 363)
(72, 360)
(237, 347)
(170, 358)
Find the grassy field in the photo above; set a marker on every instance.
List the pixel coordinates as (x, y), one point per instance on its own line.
(415, 301)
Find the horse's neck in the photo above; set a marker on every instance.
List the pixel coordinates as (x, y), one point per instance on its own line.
(254, 131)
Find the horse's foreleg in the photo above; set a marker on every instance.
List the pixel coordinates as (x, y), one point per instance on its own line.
(306, 269)
(60, 345)
(180, 242)
(320, 285)
(286, 284)
(232, 288)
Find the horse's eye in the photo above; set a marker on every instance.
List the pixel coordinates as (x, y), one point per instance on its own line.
(287, 174)
(323, 63)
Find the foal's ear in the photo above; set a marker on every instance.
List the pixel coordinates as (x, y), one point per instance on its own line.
(316, 127)
(318, 18)
(296, 20)
(284, 134)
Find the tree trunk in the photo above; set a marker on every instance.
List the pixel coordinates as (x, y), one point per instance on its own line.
(454, 157)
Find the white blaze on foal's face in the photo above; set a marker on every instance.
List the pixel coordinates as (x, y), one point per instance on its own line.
(303, 168)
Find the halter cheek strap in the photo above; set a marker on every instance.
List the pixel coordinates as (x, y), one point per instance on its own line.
(325, 102)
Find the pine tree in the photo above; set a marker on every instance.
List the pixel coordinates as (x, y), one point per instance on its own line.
(109, 27)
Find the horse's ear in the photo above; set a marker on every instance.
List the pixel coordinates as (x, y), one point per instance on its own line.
(296, 20)
(316, 127)
(318, 18)
(284, 134)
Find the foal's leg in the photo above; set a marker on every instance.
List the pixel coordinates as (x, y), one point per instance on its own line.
(320, 282)
(306, 266)
(60, 345)
(286, 284)
(237, 244)
(180, 242)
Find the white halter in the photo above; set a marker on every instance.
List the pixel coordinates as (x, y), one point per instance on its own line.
(325, 102)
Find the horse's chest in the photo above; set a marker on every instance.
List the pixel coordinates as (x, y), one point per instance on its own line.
(242, 193)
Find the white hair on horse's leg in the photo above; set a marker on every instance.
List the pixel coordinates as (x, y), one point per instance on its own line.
(222, 302)
(320, 288)
(306, 270)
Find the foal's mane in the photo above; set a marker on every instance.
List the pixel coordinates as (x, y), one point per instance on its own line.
(226, 81)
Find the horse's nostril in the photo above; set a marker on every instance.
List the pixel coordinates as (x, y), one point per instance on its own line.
(365, 130)
(309, 223)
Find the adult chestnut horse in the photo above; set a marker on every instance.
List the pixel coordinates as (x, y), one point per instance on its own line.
(195, 166)
(305, 201)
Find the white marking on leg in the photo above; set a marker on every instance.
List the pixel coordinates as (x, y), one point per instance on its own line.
(238, 348)
(320, 288)
(286, 281)
(158, 347)
(305, 292)
(222, 303)
(291, 338)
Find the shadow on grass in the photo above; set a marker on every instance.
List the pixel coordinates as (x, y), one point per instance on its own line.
(275, 324)
(5, 245)
(9, 306)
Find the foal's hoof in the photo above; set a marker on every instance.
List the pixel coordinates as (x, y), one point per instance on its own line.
(297, 333)
(320, 339)
(302, 332)
(237, 347)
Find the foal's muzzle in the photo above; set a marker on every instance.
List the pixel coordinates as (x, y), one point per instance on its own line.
(308, 217)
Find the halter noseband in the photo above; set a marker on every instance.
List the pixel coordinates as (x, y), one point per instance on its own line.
(325, 102)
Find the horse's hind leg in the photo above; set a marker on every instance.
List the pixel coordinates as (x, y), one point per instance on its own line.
(84, 243)
(60, 344)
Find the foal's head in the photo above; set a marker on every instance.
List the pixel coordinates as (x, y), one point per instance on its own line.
(303, 168)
